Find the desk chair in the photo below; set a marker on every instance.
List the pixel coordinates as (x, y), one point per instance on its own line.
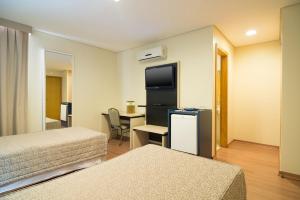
(115, 123)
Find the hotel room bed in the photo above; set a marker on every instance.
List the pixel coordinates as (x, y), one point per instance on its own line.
(30, 158)
(149, 172)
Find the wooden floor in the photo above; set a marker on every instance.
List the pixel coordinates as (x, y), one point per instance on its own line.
(261, 165)
(114, 149)
(259, 162)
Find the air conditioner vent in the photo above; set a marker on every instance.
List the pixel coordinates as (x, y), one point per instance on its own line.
(151, 54)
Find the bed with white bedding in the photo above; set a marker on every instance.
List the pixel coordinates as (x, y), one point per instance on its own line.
(149, 172)
(30, 158)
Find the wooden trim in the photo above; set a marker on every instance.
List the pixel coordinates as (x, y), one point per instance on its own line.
(288, 175)
(223, 97)
(231, 142)
(15, 25)
(214, 103)
(221, 52)
(224, 100)
(254, 143)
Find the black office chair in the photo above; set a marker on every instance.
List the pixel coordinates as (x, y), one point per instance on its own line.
(115, 123)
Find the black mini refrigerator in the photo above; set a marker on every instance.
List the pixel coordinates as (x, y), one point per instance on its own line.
(190, 131)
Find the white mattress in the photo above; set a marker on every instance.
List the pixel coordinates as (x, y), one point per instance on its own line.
(149, 172)
(27, 155)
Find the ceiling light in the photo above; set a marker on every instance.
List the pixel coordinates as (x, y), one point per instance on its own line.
(117, 0)
(251, 32)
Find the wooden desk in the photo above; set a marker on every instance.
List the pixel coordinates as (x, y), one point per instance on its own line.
(141, 134)
(126, 115)
(136, 119)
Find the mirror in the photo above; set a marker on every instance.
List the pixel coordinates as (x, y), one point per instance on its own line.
(58, 90)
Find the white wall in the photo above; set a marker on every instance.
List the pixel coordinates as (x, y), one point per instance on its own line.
(256, 93)
(290, 123)
(95, 85)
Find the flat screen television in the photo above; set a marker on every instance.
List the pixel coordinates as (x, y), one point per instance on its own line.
(161, 77)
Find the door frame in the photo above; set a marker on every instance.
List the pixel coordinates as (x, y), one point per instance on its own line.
(44, 84)
(223, 98)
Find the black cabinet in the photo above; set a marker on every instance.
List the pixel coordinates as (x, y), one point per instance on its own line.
(159, 101)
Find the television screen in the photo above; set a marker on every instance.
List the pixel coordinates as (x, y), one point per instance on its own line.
(160, 77)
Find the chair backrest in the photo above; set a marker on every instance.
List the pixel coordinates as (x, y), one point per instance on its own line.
(114, 117)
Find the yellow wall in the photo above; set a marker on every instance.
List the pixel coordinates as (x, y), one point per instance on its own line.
(69, 85)
(94, 86)
(290, 121)
(253, 90)
(256, 93)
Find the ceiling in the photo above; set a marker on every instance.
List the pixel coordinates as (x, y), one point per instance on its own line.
(129, 23)
(57, 61)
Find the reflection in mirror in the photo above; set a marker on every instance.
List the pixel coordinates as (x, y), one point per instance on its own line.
(58, 90)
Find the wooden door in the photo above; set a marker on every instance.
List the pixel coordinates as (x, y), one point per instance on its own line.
(218, 103)
(53, 97)
(223, 101)
(221, 98)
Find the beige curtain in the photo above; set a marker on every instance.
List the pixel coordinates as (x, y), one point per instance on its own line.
(13, 81)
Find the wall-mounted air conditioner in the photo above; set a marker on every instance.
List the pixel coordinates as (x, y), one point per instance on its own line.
(153, 53)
